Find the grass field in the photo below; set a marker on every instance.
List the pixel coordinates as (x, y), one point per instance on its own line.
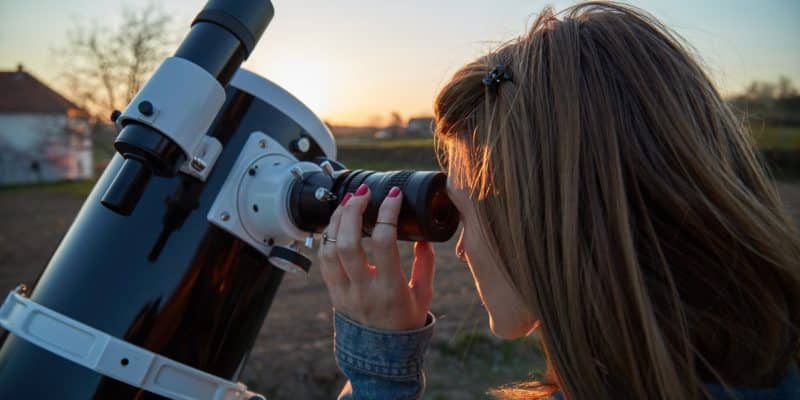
(776, 137)
(386, 144)
(76, 188)
(386, 155)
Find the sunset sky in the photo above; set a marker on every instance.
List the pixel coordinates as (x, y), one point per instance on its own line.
(353, 61)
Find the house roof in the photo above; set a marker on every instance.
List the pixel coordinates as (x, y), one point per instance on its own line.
(21, 92)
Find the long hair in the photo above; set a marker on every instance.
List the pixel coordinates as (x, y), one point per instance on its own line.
(629, 208)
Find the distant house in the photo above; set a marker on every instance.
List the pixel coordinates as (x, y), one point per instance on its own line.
(43, 136)
(382, 134)
(420, 127)
(416, 127)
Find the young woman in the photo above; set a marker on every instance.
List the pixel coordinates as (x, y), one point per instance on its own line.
(609, 198)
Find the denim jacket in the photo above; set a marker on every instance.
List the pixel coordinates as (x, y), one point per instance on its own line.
(388, 365)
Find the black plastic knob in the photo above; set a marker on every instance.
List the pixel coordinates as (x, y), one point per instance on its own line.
(146, 108)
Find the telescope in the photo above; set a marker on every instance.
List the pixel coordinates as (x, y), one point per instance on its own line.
(221, 178)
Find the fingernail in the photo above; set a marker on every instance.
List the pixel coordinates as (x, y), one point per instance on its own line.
(346, 198)
(394, 192)
(362, 190)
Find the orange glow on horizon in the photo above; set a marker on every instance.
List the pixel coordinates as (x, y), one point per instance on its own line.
(342, 93)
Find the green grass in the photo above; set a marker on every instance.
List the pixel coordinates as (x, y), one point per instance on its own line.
(390, 154)
(479, 362)
(776, 137)
(385, 144)
(478, 346)
(389, 165)
(76, 188)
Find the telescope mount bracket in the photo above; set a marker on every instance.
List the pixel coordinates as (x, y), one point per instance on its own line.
(110, 356)
(253, 203)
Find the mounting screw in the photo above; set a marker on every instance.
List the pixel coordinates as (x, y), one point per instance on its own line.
(224, 216)
(302, 145)
(198, 164)
(324, 195)
(262, 143)
(145, 108)
(21, 289)
(297, 172)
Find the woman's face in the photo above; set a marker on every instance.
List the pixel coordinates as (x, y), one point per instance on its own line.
(508, 316)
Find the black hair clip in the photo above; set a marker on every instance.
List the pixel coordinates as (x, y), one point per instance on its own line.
(496, 76)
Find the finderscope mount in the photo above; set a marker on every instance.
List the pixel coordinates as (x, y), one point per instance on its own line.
(163, 129)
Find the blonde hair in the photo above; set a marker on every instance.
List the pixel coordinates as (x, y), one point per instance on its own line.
(629, 208)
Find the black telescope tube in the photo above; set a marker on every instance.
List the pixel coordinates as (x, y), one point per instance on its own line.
(222, 36)
(214, 49)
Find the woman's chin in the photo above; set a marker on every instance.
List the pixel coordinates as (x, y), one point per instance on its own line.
(508, 331)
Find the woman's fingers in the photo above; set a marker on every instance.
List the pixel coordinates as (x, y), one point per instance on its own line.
(332, 272)
(378, 296)
(422, 270)
(348, 238)
(384, 241)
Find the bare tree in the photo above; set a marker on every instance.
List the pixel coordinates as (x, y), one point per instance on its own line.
(103, 66)
(760, 91)
(396, 124)
(395, 119)
(785, 88)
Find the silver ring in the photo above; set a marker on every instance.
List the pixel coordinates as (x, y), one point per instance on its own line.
(387, 223)
(326, 239)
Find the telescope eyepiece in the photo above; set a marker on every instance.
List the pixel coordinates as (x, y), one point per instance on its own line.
(427, 212)
(127, 187)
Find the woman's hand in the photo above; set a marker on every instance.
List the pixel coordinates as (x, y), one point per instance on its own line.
(377, 296)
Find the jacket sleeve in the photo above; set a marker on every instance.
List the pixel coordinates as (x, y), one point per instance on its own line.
(381, 364)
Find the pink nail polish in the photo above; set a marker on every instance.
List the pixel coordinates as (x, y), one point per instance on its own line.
(346, 198)
(362, 190)
(394, 192)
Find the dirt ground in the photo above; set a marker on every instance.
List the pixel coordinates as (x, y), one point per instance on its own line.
(293, 357)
